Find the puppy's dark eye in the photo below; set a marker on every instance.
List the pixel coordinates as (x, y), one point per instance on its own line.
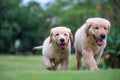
(57, 34)
(65, 34)
(105, 28)
(96, 28)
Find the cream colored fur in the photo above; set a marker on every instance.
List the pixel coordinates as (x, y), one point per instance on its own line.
(87, 46)
(53, 53)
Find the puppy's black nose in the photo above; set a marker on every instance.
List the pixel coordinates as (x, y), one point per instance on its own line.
(62, 39)
(102, 36)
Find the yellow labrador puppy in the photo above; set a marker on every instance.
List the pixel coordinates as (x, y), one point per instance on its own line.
(56, 48)
(90, 41)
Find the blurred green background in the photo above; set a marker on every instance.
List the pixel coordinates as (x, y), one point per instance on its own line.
(24, 26)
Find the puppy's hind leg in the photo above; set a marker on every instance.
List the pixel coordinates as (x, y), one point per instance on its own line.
(78, 57)
(47, 63)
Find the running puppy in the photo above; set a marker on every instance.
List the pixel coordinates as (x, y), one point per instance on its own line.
(90, 41)
(56, 48)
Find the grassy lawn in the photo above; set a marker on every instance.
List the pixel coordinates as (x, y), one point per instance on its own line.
(31, 68)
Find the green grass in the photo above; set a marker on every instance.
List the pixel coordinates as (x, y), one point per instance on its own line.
(31, 68)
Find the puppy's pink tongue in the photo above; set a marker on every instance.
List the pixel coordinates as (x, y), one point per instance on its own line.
(63, 46)
(100, 42)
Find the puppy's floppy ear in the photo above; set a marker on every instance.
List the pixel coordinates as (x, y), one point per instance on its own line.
(51, 34)
(108, 25)
(88, 24)
(71, 36)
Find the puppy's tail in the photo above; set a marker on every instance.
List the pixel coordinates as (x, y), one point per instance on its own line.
(37, 48)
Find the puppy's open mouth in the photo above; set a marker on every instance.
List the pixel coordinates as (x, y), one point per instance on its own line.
(62, 46)
(100, 42)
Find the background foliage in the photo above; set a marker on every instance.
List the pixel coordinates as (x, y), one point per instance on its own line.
(24, 26)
